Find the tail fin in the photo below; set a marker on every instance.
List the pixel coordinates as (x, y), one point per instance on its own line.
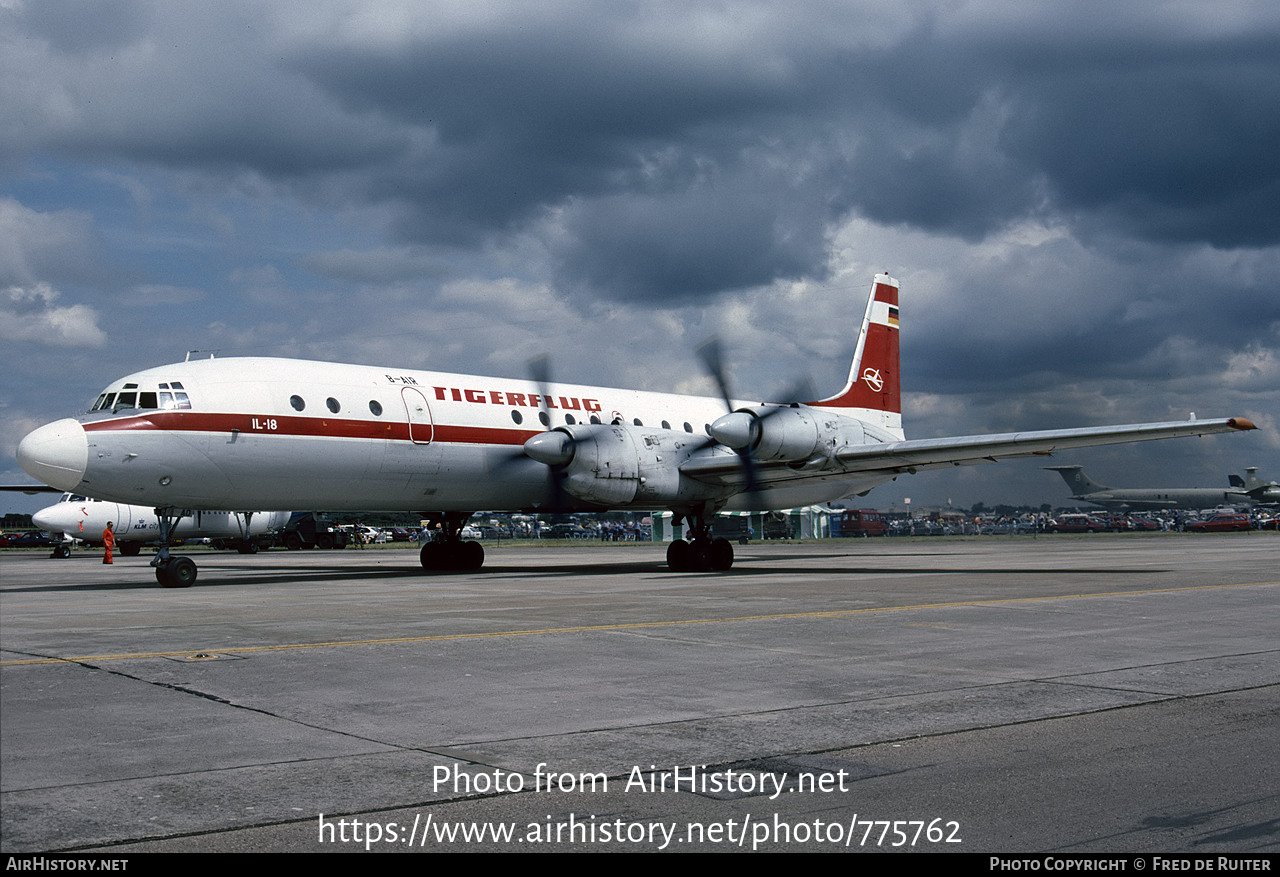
(1079, 483)
(872, 391)
(1265, 492)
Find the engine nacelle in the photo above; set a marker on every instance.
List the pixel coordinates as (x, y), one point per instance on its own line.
(787, 434)
(616, 465)
(796, 435)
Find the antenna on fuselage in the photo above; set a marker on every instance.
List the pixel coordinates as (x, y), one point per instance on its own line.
(210, 352)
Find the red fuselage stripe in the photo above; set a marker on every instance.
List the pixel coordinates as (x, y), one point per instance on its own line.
(311, 427)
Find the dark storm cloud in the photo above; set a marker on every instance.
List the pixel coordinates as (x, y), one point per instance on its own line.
(1180, 146)
(84, 25)
(186, 88)
(739, 225)
(1042, 315)
(674, 151)
(676, 172)
(554, 109)
(655, 165)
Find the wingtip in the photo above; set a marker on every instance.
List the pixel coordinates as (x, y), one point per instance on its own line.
(1241, 423)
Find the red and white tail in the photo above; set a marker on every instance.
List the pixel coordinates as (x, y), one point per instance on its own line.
(872, 392)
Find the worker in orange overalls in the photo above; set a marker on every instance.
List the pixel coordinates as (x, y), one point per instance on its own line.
(108, 543)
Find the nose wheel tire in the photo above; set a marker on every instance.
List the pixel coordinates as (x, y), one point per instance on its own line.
(179, 572)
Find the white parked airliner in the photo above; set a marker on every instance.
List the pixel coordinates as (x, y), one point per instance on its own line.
(245, 433)
(82, 519)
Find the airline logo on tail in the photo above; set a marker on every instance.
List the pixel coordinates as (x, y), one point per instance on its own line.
(872, 390)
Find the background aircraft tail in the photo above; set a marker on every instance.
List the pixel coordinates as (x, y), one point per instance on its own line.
(1076, 480)
(1267, 492)
(872, 392)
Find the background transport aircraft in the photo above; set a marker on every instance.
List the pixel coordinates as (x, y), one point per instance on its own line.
(1126, 499)
(1261, 492)
(80, 518)
(243, 433)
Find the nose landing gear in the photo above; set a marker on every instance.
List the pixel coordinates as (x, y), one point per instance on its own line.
(172, 572)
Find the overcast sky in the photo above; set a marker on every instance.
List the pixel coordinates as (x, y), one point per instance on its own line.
(1080, 199)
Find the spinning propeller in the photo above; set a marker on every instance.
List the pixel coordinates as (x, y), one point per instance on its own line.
(738, 430)
(554, 448)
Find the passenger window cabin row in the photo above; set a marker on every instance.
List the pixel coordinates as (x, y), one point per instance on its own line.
(172, 396)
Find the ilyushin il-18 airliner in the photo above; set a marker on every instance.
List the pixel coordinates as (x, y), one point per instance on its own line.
(260, 433)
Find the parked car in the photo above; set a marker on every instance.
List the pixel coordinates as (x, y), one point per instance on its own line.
(565, 531)
(30, 539)
(1219, 523)
(1077, 523)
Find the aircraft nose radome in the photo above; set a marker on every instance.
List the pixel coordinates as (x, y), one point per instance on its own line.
(56, 454)
(48, 519)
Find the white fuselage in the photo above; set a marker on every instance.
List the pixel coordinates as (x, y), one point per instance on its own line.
(83, 518)
(274, 433)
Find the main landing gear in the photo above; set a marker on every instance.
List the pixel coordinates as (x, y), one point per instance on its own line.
(447, 550)
(702, 553)
(172, 572)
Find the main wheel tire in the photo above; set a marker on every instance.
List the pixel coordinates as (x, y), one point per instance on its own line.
(700, 555)
(720, 554)
(130, 549)
(471, 555)
(179, 572)
(679, 556)
(431, 556)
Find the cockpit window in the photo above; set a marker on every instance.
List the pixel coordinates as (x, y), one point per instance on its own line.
(170, 397)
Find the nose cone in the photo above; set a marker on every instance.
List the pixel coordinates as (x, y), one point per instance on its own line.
(56, 454)
(52, 518)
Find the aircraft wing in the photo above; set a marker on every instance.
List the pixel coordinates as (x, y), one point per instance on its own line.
(919, 454)
(971, 449)
(30, 489)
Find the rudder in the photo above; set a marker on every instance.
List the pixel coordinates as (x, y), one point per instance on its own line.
(873, 386)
